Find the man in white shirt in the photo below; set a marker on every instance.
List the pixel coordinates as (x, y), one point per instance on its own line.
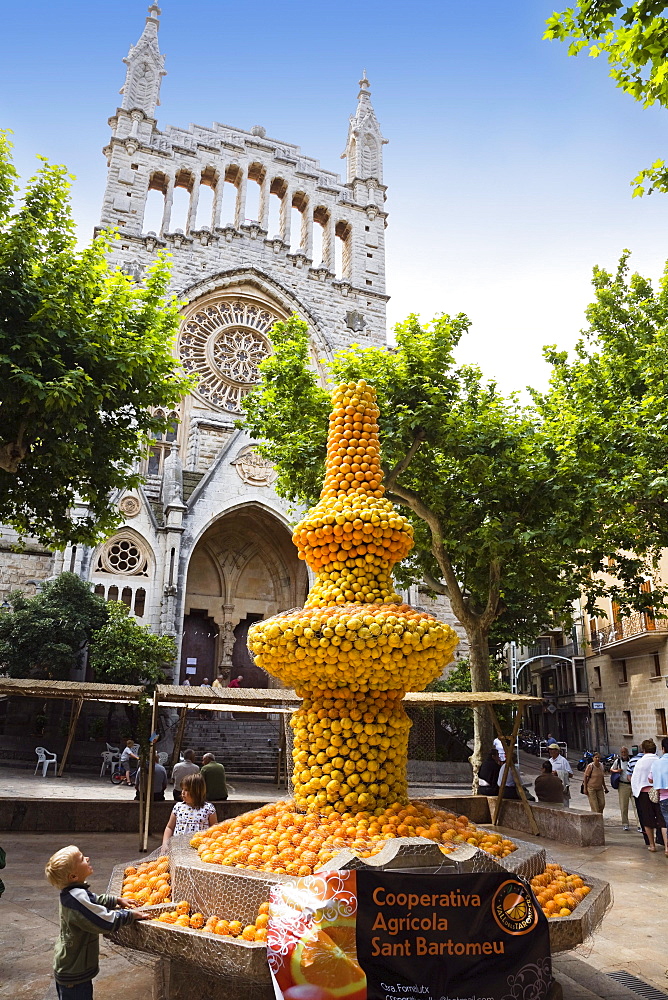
(500, 749)
(180, 770)
(561, 767)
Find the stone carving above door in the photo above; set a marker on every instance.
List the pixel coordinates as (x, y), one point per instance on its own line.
(130, 505)
(253, 469)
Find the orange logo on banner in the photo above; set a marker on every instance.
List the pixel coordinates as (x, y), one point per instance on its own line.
(513, 907)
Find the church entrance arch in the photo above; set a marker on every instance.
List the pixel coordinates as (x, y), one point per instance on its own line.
(243, 569)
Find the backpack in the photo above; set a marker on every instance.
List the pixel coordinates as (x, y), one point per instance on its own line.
(616, 776)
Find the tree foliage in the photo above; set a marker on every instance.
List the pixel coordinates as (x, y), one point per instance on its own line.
(508, 521)
(607, 408)
(85, 355)
(123, 652)
(634, 39)
(45, 636)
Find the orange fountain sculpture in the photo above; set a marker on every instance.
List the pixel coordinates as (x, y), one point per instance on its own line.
(354, 649)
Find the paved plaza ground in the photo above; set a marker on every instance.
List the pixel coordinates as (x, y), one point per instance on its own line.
(632, 937)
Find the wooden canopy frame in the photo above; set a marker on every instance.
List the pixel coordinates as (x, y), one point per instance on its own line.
(76, 691)
(277, 701)
(283, 701)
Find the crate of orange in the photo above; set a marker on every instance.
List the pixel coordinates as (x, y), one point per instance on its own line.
(574, 904)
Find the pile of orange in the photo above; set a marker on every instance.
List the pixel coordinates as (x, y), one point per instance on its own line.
(558, 893)
(149, 883)
(376, 647)
(181, 917)
(354, 649)
(276, 838)
(349, 751)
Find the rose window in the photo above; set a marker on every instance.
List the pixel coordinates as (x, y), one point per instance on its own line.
(223, 345)
(123, 556)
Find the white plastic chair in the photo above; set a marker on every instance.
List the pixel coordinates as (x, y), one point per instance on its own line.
(45, 758)
(111, 749)
(109, 758)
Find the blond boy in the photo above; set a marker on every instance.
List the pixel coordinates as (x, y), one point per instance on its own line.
(83, 917)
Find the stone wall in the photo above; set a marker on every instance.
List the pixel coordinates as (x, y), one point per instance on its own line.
(631, 684)
(32, 562)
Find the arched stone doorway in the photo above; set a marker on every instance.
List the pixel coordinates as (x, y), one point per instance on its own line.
(243, 569)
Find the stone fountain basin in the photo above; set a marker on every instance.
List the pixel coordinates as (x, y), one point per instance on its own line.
(235, 894)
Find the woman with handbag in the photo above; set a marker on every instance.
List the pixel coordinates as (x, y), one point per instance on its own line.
(620, 778)
(649, 812)
(659, 779)
(594, 785)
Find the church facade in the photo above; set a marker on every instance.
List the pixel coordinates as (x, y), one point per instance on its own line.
(256, 230)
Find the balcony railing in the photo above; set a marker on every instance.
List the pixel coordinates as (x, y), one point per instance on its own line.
(639, 623)
(542, 648)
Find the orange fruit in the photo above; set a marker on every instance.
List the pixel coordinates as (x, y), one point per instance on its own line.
(318, 961)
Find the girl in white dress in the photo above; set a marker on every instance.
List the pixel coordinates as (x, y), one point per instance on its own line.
(193, 814)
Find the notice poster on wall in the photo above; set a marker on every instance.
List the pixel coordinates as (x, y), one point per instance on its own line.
(368, 935)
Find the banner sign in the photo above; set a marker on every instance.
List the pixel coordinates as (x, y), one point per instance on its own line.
(451, 937)
(367, 935)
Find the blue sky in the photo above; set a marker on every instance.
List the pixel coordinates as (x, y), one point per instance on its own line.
(508, 164)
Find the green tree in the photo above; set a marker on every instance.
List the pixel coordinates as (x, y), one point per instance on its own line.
(607, 408)
(45, 636)
(497, 516)
(123, 652)
(85, 356)
(634, 39)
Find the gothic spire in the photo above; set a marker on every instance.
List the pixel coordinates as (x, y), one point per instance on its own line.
(145, 68)
(363, 148)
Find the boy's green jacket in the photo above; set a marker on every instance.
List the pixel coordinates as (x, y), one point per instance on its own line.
(83, 917)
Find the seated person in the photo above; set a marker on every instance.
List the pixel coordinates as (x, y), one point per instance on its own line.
(184, 767)
(488, 775)
(510, 791)
(214, 776)
(159, 783)
(548, 786)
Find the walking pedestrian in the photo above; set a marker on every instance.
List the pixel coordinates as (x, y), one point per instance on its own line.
(595, 787)
(622, 768)
(214, 777)
(649, 813)
(659, 778)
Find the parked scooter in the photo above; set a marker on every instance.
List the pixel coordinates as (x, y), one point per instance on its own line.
(528, 741)
(587, 758)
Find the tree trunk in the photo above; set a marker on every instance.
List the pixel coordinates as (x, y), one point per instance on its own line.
(483, 731)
